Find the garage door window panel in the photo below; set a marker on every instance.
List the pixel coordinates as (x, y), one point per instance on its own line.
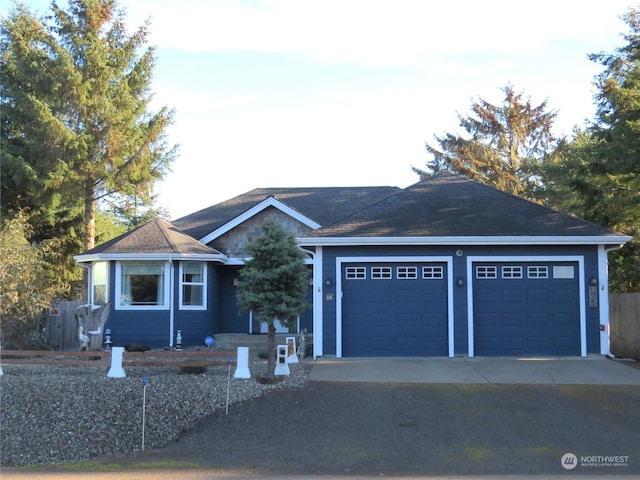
(432, 273)
(537, 272)
(381, 273)
(486, 272)
(356, 273)
(511, 272)
(407, 273)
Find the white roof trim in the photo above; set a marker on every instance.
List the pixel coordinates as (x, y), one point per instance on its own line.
(515, 240)
(96, 257)
(269, 202)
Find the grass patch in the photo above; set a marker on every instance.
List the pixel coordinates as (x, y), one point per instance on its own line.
(477, 453)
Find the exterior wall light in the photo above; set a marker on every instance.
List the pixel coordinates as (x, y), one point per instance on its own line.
(460, 282)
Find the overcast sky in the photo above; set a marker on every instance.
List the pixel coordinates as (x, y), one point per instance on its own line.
(293, 93)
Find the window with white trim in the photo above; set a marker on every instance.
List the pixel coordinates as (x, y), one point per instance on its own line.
(563, 271)
(193, 279)
(483, 271)
(511, 272)
(355, 273)
(407, 273)
(142, 285)
(100, 283)
(538, 272)
(380, 273)
(432, 272)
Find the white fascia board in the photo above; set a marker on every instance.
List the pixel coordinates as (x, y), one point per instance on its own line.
(516, 240)
(269, 202)
(96, 257)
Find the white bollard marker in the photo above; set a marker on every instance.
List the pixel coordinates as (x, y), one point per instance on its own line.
(282, 367)
(116, 370)
(242, 363)
(292, 357)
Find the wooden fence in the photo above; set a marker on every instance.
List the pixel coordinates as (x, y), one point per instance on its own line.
(624, 324)
(62, 326)
(192, 358)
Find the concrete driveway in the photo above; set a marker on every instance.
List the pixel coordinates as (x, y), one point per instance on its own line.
(592, 370)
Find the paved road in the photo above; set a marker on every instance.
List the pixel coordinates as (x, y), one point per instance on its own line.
(374, 429)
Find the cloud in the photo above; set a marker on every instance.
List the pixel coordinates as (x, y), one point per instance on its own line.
(375, 32)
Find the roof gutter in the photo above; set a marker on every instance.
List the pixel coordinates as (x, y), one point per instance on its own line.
(95, 257)
(471, 240)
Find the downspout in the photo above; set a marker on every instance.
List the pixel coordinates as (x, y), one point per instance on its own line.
(603, 297)
(171, 302)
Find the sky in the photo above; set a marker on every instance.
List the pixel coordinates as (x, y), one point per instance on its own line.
(304, 93)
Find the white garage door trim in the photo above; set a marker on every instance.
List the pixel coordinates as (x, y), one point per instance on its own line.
(406, 259)
(543, 258)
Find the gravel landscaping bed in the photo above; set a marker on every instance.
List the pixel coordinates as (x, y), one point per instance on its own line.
(56, 414)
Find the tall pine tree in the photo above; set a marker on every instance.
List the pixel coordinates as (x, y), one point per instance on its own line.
(76, 119)
(598, 175)
(504, 147)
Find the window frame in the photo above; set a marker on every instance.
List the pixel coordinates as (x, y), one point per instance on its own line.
(355, 273)
(538, 272)
(94, 283)
(486, 272)
(166, 269)
(512, 272)
(407, 272)
(432, 272)
(202, 284)
(381, 273)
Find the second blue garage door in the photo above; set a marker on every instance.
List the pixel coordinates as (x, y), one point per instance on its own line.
(394, 309)
(526, 309)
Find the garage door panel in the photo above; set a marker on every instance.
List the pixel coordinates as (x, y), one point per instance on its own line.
(539, 295)
(405, 315)
(535, 316)
(512, 295)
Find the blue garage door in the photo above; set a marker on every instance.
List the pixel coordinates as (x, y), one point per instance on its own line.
(526, 309)
(394, 310)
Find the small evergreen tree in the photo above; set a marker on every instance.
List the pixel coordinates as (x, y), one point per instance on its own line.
(274, 282)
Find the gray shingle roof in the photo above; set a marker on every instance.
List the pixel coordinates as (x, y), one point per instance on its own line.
(444, 205)
(447, 205)
(155, 237)
(324, 205)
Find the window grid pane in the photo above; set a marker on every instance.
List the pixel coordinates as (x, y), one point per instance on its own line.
(355, 273)
(379, 273)
(538, 272)
(407, 272)
(432, 272)
(511, 272)
(486, 272)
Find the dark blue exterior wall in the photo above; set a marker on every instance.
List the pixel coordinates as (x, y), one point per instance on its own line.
(153, 327)
(460, 305)
(234, 320)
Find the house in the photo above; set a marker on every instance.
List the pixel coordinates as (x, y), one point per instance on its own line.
(444, 267)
